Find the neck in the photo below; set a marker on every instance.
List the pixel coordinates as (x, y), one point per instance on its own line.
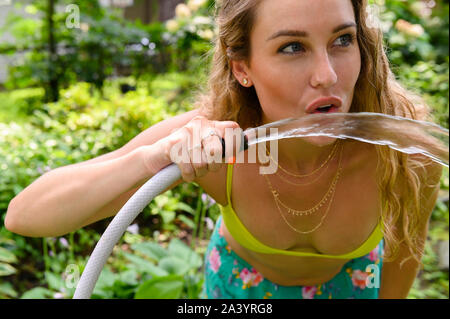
(298, 155)
(303, 155)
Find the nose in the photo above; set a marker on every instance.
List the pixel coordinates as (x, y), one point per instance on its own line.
(323, 72)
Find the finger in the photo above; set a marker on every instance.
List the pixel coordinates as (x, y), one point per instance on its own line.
(232, 135)
(204, 166)
(185, 165)
(179, 153)
(196, 153)
(199, 162)
(178, 146)
(213, 152)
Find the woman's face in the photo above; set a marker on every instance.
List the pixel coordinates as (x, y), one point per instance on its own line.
(301, 50)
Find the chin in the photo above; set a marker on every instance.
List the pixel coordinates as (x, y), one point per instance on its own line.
(320, 140)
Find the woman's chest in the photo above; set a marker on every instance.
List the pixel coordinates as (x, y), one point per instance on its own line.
(329, 221)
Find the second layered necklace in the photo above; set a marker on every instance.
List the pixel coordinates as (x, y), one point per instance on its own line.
(329, 195)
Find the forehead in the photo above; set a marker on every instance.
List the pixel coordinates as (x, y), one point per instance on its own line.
(307, 15)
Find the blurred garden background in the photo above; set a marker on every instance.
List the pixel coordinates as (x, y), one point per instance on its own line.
(81, 78)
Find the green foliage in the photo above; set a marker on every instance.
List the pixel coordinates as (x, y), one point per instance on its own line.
(414, 31)
(147, 270)
(189, 35)
(7, 258)
(141, 269)
(19, 104)
(163, 259)
(103, 45)
(416, 37)
(429, 80)
(88, 53)
(84, 124)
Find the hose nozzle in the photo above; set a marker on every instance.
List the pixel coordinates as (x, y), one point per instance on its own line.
(243, 146)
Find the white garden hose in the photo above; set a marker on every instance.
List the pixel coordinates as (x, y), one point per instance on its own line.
(133, 207)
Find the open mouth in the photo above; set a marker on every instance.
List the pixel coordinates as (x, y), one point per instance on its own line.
(326, 109)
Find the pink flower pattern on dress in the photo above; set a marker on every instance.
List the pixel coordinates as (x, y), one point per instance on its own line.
(359, 278)
(250, 278)
(245, 277)
(221, 230)
(214, 260)
(308, 292)
(373, 255)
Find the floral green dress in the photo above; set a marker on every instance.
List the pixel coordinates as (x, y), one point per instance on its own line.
(229, 276)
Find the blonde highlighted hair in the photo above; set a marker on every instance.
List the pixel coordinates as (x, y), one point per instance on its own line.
(399, 175)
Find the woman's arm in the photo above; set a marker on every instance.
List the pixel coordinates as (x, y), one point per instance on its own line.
(397, 277)
(70, 197)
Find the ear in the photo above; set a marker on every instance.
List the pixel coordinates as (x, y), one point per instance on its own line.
(241, 72)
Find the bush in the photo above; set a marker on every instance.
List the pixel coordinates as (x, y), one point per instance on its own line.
(84, 124)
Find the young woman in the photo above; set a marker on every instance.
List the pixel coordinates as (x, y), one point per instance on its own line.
(339, 218)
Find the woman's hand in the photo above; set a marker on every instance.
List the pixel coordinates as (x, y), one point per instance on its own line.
(196, 147)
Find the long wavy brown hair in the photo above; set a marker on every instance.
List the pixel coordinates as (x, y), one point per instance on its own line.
(376, 90)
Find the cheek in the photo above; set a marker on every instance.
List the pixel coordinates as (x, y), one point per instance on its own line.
(274, 85)
(278, 83)
(349, 69)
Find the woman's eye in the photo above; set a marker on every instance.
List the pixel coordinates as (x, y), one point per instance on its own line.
(296, 47)
(291, 48)
(345, 40)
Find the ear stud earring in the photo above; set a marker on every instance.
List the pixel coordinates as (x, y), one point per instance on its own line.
(245, 81)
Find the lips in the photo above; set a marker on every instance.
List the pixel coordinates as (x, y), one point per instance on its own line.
(335, 103)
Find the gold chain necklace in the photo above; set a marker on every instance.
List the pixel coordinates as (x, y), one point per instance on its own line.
(312, 210)
(326, 213)
(309, 174)
(308, 231)
(302, 184)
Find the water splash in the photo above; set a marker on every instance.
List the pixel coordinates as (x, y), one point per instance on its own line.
(399, 133)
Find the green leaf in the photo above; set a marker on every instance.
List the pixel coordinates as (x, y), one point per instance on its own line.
(54, 282)
(187, 221)
(169, 287)
(7, 289)
(31, 9)
(106, 278)
(145, 266)
(37, 293)
(105, 282)
(185, 207)
(128, 277)
(7, 256)
(167, 216)
(174, 265)
(182, 251)
(151, 250)
(7, 269)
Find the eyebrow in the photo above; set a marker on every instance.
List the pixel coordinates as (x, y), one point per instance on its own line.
(298, 33)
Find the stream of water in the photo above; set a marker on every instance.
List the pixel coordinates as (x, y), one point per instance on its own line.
(399, 133)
